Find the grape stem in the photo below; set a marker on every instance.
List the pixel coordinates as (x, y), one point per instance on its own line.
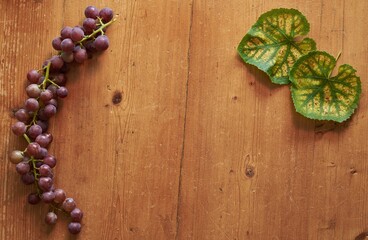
(55, 207)
(27, 138)
(47, 74)
(35, 174)
(34, 168)
(53, 83)
(34, 119)
(337, 59)
(99, 30)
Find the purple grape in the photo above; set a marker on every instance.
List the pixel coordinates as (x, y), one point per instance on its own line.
(22, 168)
(50, 110)
(62, 92)
(89, 24)
(90, 46)
(60, 195)
(53, 102)
(34, 131)
(52, 88)
(86, 31)
(26, 158)
(38, 164)
(56, 63)
(43, 124)
(66, 32)
(19, 128)
(48, 197)
(28, 178)
(101, 43)
(91, 12)
(22, 115)
(106, 14)
(44, 139)
(80, 55)
(46, 95)
(56, 43)
(33, 149)
(45, 183)
(51, 218)
(77, 34)
(16, 156)
(69, 204)
(42, 153)
(77, 48)
(60, 79)
(33, 90)
(33, 198)
(68, 57)
(49, 136)
(41, 115)
(76, 215)
(50, 160)
(31, 105)
(67, 45)
(45, 171)
(33, 76)
(74, 227)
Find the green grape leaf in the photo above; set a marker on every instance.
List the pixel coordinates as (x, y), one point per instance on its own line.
(271, 43)
(317, 95)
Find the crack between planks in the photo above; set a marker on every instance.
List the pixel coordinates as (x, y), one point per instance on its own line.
(185, 123)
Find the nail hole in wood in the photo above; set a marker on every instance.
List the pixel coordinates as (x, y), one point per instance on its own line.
(117, 97)
(249, 171)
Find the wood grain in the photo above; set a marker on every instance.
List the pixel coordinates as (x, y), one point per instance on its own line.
(201, 146)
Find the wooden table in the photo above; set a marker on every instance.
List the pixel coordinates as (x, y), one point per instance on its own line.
(202, 146)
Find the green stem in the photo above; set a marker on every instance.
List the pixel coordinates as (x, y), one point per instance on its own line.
(27, 138)
(55, 207)
(338, 56)
(53, 83)
(337, 59)
(35, 174)
(99, 30)
(34, 119)
(46, 76)
(34, 168)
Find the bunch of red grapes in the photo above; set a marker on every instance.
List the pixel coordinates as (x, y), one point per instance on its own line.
(46, 86)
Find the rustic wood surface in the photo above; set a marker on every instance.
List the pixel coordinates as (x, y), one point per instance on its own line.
(202, 146)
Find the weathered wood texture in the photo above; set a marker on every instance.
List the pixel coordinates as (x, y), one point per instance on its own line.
(202, 146)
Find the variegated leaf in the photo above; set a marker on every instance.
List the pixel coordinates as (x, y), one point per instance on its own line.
(317, 95)
(271, 46)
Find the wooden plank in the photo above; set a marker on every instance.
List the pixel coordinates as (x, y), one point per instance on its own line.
(253, 168)
(143, 135)
(121, 162)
